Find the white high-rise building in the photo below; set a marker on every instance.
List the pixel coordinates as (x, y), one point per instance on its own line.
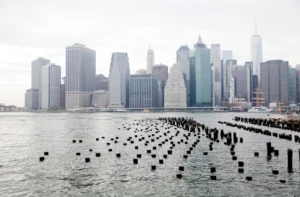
(118, 85)
(256, 53)
(80, 76)
(175, 90)
(215, 59)
(232, 90)
(150, 60)
(183, 60)
(51, 77)
(36, 76)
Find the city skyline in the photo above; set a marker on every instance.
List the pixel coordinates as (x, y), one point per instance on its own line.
(37, 35)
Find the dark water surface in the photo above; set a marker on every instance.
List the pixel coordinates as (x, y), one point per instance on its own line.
(24, 137)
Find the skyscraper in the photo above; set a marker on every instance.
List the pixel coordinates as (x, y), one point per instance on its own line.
(275, 81)
(292, 85)
(256, 53)
(160, 71)
(175, 91)
(143, 91)
(242, 81)
(201, 76)
(183, 60)
(215, 59)
(80, 75)
(226, 71)
(51, 86)
(118, 85)
(150, 60)
(36, 76)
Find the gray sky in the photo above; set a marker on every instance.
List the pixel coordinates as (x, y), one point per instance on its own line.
(39, 28)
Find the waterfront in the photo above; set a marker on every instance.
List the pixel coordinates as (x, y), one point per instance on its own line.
(24, 137)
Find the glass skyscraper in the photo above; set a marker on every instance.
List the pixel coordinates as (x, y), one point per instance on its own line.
(200, 76)
(118, 80)
(143, 91)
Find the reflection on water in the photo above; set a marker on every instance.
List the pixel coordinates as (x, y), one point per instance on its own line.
(25, 136)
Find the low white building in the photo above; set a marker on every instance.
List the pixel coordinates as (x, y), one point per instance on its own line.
(100, 98)
(175, 90)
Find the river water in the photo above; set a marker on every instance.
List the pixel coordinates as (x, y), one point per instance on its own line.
(24, 137)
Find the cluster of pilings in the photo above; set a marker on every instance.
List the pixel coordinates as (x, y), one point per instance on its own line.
(264, 132)
(292, 125)
(270, 149)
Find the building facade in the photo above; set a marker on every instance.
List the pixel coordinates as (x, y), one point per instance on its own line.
(275, 81)
(242, 78)
(62, 96)
(143, 91)
(150, 60)
(101, 82)
(200, 76)
(226, 74)
(183, 60)
(292, 85)
(175, 90)
(161, 73)
(32, 99)
(51, 83)
(36, 76)
(256, 54)
(80, 76)
(215, 59)
(118, 84)
(100, 98)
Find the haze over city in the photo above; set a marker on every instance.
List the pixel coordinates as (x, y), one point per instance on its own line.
(32, 29)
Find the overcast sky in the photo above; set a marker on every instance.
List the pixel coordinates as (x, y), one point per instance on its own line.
(37, 28)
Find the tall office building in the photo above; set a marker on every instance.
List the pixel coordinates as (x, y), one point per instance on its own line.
(250, 90)
(256, 53)
(298, 67)
(118, 85)
(226, 55)
(215, 59)
(101, 82)
(200, 76)
(175, 91)
(150, 60)
(275, 81)
(183, 60)
(298, 86)
(36, 76)
(80, 76)
(63, 93)
(160, 71)
(226, 74)
(242, 81)
(292, 85)
(51, 77)
(32, 99)
(143, 91)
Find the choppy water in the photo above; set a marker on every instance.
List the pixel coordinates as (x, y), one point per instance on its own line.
(24, 137)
